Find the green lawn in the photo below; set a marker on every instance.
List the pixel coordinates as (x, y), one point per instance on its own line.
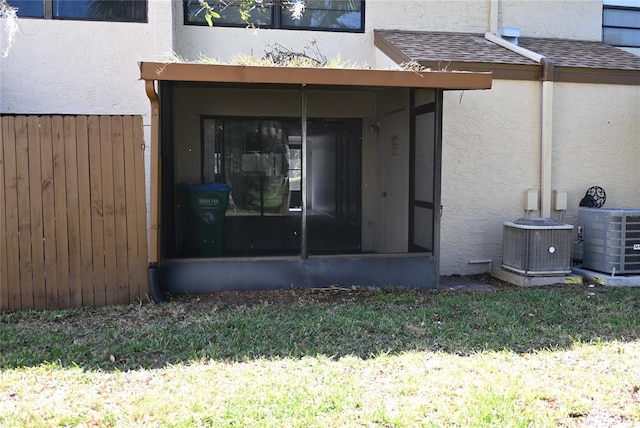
(552, 356)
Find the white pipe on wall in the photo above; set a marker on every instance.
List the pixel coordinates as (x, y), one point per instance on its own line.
(493, 15)
(546, 137)
(494, 38)
(546, 144)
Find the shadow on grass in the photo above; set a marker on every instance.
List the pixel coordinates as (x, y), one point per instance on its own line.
(362, 324)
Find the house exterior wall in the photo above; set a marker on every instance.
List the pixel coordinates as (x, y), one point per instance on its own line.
(491, 147)
(491, 156)
(597, 143)
(580, 20)
(550, 18)
(81, 67)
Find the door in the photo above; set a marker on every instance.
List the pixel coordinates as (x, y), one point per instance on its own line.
(395, 182)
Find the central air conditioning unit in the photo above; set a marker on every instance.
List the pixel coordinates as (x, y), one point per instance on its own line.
(611, 240)
(537, 246)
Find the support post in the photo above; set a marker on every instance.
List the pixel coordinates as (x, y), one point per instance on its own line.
(304, 254)
(154, 195)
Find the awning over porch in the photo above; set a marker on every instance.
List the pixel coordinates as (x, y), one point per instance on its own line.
(215, 73)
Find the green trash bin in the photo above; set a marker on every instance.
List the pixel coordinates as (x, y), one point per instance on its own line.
(206, 205)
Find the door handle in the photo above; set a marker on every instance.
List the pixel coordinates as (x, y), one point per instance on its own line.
(383, 194)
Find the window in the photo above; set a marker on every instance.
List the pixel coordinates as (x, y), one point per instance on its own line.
(621, 23)
(327, 15)
(88, 10)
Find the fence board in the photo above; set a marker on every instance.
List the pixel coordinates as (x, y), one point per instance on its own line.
(108, 211)
(35, 198)
(141, 212)
(120, 207)
(12, 256)
(97, 223)
(84, 212)
(61, 208)
(49, 222)
(4, 291)
(24, 213)
(73, 222)
(72, 211)
(132, 227)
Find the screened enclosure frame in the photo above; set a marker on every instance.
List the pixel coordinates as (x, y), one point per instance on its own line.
(409, 267)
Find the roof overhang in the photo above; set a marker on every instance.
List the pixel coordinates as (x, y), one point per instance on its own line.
(340, 77)
(575, 61)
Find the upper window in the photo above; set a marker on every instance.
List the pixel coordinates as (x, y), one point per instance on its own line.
(621, 23)
(91, 10)
(327, 15)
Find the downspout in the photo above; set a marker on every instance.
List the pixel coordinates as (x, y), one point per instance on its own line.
(155, 290)
(546, 137)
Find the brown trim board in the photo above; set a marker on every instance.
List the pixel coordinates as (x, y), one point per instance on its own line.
(189, 72)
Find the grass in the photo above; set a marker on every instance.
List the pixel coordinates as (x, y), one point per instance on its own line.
(555, 356)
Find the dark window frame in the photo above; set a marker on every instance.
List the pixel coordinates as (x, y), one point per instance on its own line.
(140, 13)
(606, 26)
(276, 21)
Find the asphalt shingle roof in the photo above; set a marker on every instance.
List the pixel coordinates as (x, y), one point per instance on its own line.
(582, 53)
(474, 48)
(454, 47)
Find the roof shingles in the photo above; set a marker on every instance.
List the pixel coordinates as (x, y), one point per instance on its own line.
(431, 47)
(454, 47)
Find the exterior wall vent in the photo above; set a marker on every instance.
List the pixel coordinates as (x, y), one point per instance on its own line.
(510, 34)
(611, 240)
(537, 246)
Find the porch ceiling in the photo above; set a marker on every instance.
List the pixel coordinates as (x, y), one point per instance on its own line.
(240, 74)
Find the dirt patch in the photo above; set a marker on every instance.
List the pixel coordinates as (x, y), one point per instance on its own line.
(302, 296)
(289, 296)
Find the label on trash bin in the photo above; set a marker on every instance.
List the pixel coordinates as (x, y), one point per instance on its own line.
(212, 202)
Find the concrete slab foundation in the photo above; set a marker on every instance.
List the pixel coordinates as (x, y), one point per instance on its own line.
(534, 281)
(608, 280)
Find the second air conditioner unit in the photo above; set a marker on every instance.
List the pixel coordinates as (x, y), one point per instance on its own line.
(611, 240)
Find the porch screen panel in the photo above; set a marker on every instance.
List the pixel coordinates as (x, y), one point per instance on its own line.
(423, 179)
(253, 156)
(422, 227)
(423, 161)
(260, 159)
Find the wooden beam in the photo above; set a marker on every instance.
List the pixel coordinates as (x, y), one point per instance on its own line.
(314, 76)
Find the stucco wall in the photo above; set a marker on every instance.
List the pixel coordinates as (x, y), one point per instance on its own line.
(82, 67)
(490, 156)
(596, 141)
(581, 20)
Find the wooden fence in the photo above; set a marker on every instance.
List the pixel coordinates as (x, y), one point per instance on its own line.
(72, 211)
